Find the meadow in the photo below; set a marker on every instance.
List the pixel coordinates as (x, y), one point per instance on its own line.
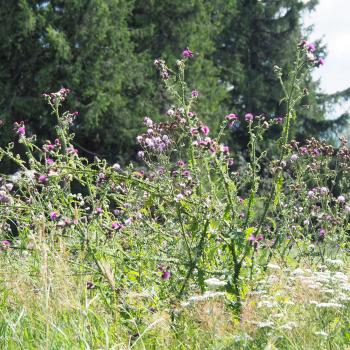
(190, 247)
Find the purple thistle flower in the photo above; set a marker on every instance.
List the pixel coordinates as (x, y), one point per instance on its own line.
(311, 47)
(224, 149)
(279, 120)
(19, 128)
(303, 150)
(53, 215)
(116, 226)
(49, 161)
(194, 93)
(205, 130)
(251, 238)
(231, 116)
(42, 179)
(341, 199)
(187, 53)
(249, 117)
(322, 233)
(21, 131)
(166, 275)
(5, 244)
(293, 157)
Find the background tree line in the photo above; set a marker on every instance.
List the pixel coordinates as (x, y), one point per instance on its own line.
(103, 51)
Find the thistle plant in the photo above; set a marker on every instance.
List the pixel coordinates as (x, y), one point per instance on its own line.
(186, 213)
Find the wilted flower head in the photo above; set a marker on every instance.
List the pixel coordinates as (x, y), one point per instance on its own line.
(116, 167)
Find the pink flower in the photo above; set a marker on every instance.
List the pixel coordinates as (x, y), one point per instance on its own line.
(49, 161)
(194, 131)
(205, 130)
(191, 114)
(251, 238)
(179, 197)
(187, 53)
(72, 150)
(5, 244)
(194, 93)
(260, 238)
(224, 149)
(53, 215)
(166, 275)
(311, 47)
(116, 225)
(20, 129)
(231, 116)
(293, 158)
(341, 199)
(249, 117)
(303, 150)
(322, 232)
(278, 120)
(42, 179)
(320, 61)
(99, 210)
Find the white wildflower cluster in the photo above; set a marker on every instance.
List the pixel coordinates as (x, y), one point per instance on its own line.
(214, 283)
(208, 295)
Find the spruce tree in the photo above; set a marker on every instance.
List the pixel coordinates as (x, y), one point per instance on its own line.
(83, 45)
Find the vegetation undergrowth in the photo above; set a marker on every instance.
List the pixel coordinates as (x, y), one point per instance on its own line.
(190, 248)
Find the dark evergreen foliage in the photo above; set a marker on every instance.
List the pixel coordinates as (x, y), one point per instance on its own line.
(103, 51)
